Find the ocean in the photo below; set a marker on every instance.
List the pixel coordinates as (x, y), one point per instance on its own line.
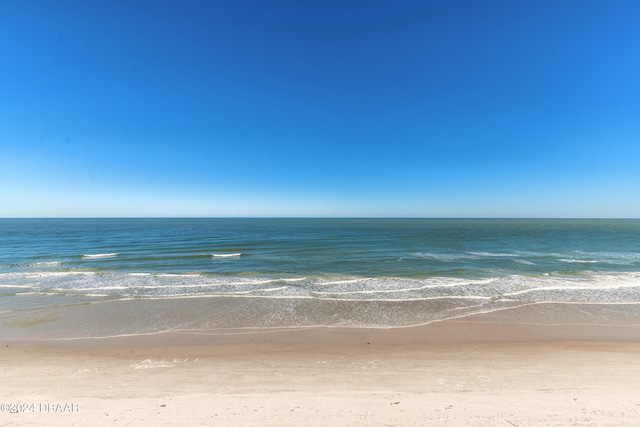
(74, 278)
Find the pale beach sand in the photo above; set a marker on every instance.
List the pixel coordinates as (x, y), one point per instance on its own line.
(450, 373)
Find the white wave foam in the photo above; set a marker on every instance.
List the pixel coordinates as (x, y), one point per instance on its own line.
(96, 256)
(578, 261)
(624, 258)
(45, 274)
(432, 283)
(573, 288)
(233, 295)
(100, 288)
(44, 263)
(253, 282)
(177, 275)
(340, 282)
(260, 290)
(492, 255)
(373, 291)
(226, 255)
(445, 257)
(440, 297)
(305, 297)
(588, 287)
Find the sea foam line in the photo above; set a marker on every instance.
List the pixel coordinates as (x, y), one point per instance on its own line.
(247, 294)
(250, 330)
(341, 282)
(492, 255)
(235, 255)
(41, 263)
(419, 288)
(95, 256)
(260, 290)
(571, 288)
(100, 288)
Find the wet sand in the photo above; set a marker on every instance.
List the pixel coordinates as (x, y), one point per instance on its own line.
(449, 373)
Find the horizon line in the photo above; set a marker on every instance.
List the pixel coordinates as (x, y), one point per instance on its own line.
(317, 217)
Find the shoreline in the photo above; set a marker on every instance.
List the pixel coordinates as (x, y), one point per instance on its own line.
(191, 317)
(450, 332)
(523, 324)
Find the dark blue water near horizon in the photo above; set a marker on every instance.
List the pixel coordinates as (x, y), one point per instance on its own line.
(366, 247)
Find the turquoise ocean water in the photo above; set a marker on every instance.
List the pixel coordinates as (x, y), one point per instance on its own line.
(103, 277)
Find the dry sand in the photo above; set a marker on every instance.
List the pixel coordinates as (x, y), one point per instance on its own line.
(449, 373)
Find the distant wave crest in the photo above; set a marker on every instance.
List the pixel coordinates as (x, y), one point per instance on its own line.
(579, 261)
(95, 256)
(234, 255)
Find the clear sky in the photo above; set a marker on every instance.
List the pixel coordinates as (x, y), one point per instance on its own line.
(320, 108)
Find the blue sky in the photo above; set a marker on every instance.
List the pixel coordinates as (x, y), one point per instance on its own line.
(320, 108)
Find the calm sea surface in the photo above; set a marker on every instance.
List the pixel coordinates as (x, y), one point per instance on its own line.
(98, 277)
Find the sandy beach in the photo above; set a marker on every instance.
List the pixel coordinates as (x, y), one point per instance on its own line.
(467, 373)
